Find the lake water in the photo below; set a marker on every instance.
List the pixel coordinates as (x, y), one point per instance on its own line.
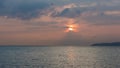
(60, 57)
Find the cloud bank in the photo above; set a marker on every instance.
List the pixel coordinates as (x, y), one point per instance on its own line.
(22, 9)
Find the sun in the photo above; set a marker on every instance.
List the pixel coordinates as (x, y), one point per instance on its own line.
(71, 28)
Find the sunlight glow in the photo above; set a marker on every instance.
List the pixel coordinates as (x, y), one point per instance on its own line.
(71, 28)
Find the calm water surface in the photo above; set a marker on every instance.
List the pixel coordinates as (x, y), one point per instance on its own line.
(60, 57)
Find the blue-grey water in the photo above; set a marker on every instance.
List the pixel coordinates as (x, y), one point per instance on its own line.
(60, 57)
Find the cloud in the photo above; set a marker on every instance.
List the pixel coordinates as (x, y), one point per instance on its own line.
(33, 8)
(22, 9)
(112, 13)
(87, 5)
(69, 11)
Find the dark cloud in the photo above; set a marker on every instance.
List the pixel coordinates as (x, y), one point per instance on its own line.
(23, 9)
(1, 3)
(26, 9)
(70, 12)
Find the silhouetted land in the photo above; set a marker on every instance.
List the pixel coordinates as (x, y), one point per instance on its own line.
(107, 44)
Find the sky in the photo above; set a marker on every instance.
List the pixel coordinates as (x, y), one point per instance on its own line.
(44, 22)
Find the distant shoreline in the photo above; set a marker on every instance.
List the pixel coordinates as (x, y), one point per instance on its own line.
(107, 44)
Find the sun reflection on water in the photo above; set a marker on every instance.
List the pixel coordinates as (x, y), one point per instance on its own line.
(71, 55)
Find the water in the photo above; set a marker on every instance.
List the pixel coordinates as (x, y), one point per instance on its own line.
(60, 57)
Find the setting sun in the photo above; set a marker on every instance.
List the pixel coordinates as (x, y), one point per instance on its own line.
(71, 28)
